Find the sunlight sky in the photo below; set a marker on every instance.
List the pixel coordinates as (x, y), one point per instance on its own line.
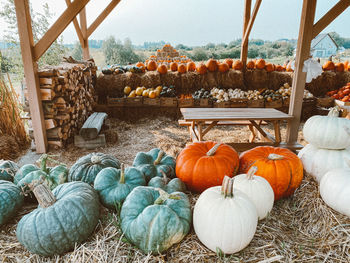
(193, 22)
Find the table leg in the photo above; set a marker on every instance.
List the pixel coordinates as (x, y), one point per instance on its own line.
(276, 125)
(194, 132)
(200, 135)
(267, 136)
(252, 135)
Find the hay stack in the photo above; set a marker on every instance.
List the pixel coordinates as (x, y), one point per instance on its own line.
(277, 79)
(232, 79)
(256, 79)
(150, 79)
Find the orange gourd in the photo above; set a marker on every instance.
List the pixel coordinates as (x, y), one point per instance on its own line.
(346, 64)
(204, 164)
(182, 68)
(260, 64)
(223, 67)
(191, 66)
(141, 66)
(269, 67)
(162, 69)
(212, 65)
(279, 166)
(237, 65)
(250, 64)
(201, 68)
(339, 67)
(328, 65)
(229, 62)
(279, 68)
(151, 65)
(173, 66)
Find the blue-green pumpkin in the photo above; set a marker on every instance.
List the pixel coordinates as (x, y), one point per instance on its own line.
(87, 167)
(11, 199)
(154, 162)
(174, 185)
(8, 170)
(55, 227)
(154, 220)
(113, 185)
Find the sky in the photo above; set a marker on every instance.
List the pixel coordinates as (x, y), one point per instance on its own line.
(193, 22)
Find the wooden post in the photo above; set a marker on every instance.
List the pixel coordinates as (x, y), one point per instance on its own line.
(83, 25)
(30, 72)
(299, 78)
(246, 17)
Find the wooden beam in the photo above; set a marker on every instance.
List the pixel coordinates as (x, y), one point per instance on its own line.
(102, 16)
(332, 14)
(246, 17)
(31, 73)
(76, 26)
(57, 28)
(83, 25)
(303, 52)
(251, 22)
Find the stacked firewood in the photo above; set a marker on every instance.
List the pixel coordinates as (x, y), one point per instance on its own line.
(67, 93)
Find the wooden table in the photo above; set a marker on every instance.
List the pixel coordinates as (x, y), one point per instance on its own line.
(198, 118)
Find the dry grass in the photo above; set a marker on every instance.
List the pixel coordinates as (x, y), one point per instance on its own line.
(299, 229)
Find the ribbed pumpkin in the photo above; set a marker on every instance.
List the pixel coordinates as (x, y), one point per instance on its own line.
(269, 67)
(8, 170)
(191, 66)
(223, 67)
(204, 164)
(162, 69)
(279, 68)
(11, 200)
(169, 186)
(339, 67)
(328, 65)
(87, 167)
(237, 65)
(279, 166)
(229, 62)
(173, 66)
(152, 65)
(260, 64)
(182, 68)
(250, 64)
(65, 217)
(201, 69)
(141, 66)
(212, 65)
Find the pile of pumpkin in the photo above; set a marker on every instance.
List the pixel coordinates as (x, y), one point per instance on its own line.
(339, 67)
(151, 93)
(342, 94)
(155, 213)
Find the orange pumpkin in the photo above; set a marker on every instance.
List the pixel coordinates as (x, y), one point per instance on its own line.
(279, 166)
(346, 64)
(339, 67)
(260, 64)
(328, 65)
(141, 66)
(173, 66)
(269, 67)
(279, 68)
(212, 65)
(223, 67)
(204, 164)
(229, 62)
(151, 65)
(201, 68)
(191, 66)
(237, 65)
(162, 69)
(182, 68)
(250, 64)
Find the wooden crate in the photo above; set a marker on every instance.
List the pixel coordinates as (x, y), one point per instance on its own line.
(274, 104)
(286, 102)
(204, 103)
(222, 104)
(115, 101)
(259, 103)
(186, 103)
(168, 102)
(151, 102)
(134, 102)
(309, 102)
(239, 103)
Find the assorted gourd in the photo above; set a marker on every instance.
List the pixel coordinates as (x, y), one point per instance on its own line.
(151, 93)
(342, 94)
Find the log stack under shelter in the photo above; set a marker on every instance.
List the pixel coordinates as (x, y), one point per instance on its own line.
(67, 93)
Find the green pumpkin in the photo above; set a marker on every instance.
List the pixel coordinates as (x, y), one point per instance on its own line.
(87, 167)
(8, 169)
(174, 185)
(23, 171)
(55, 227)
(11, 199)
(154, 220)
(154, 162)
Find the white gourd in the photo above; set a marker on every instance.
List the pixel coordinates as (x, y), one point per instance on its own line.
(318, 162)
(328, 132)
(257, 189)
(224, 218)
(335, 190)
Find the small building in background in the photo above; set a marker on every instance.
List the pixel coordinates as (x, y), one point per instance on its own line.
(323, 46)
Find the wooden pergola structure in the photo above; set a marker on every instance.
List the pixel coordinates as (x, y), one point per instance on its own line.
(31, 51)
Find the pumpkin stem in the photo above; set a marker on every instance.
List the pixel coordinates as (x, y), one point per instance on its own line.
(165, 178)
(333, 112)
(212, 151)
(227, 187)
(252, 172)
(43, 194)
(95, 159)
(159, 157)
(122, 174)
(273, 156)
(163, 196)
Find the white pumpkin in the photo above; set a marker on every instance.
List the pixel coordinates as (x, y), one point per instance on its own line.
(257, 189)
(318, 162)
(225, 218)
(328, 132)
(335, 190)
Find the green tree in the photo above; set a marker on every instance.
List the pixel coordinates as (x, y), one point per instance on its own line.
(117, 53)
(199, 54)
(337, 38)
(77, 52)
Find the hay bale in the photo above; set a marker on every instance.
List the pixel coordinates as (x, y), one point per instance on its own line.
(133, 79)
(323, 83)
(150, 79)
(277, 79)
(171, 79)
(231, 79)
(10, 149)
(256, 79)
(190, 82)
(111, 85)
